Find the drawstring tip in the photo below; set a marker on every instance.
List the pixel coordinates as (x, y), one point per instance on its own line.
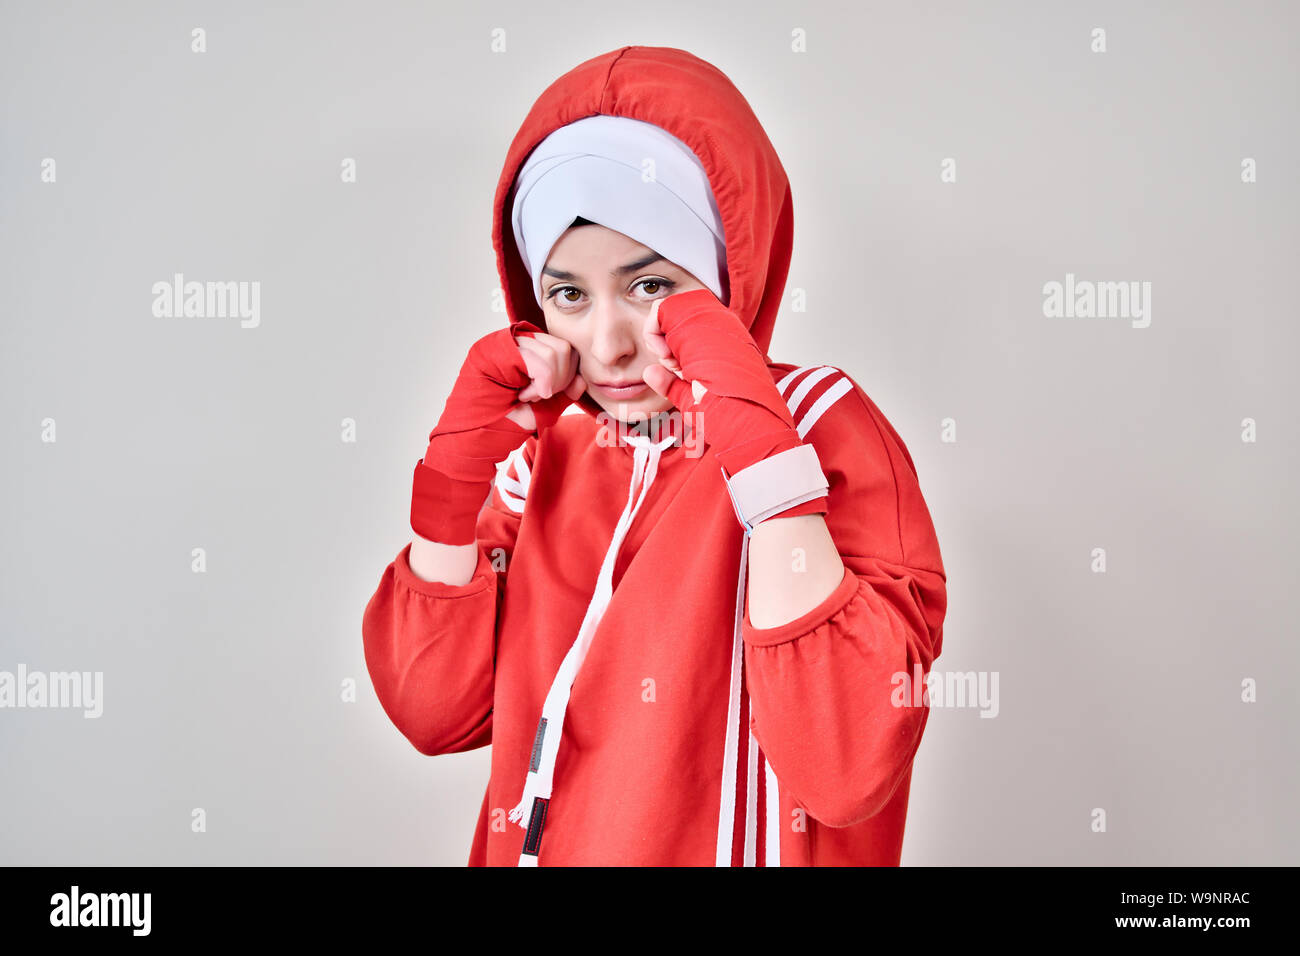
(533, 825)
(517, 814)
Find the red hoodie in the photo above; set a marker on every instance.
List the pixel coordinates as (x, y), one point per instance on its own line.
(691, 737)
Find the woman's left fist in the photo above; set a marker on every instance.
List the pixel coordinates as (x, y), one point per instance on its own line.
(709, 365)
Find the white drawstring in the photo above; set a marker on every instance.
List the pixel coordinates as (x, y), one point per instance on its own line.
(731, 746)
(530, 812)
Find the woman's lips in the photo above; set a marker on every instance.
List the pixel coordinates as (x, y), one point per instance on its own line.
(627, 391)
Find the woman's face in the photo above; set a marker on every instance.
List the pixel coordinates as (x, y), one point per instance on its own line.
(597, 287)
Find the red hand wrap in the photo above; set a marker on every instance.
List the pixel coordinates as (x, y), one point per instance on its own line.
(454, 478)
(743, 416)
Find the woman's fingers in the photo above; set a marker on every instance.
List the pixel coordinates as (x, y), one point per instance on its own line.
(552, 365)
(571, 369)
(553, 348)
(576, 387)
(657, 377)
(656, 341)
(566, 361)
(537, 363)
(657, 344)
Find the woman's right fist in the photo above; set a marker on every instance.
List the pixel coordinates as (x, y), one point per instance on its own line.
(514, 381)
(552, 365)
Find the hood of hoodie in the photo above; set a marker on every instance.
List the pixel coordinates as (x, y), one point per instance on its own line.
(697, 103)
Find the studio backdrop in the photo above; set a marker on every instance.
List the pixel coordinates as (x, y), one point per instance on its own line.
(1056, 245)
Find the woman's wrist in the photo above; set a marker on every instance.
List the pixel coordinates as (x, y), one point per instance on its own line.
(452, 564)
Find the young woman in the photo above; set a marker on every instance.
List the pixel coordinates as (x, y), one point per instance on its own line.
(689, 615)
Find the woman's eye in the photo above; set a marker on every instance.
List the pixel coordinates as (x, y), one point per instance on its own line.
(654, 286)
(562, 293)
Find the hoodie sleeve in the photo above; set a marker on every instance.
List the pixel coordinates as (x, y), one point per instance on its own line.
(828, 706)
(430, 647)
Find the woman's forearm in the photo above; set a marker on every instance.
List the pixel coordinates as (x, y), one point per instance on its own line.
(455, 563)
(444, 563)
(793, 566)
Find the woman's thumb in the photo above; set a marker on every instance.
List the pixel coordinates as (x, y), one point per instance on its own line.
(671, 387)
(547, 411)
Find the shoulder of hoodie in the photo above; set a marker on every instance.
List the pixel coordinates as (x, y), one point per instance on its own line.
(881, 509)
(833, 412)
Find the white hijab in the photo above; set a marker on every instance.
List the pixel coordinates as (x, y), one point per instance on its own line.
(627, 175)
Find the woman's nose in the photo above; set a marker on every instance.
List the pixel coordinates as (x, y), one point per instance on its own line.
(615, 334)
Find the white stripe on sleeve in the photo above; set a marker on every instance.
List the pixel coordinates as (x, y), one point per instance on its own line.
(829, 398)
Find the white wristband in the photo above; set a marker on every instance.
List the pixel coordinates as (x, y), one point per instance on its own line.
(774, 484)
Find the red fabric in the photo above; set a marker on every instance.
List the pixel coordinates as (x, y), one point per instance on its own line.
(743, 417)
(451, 482)
(640, 775)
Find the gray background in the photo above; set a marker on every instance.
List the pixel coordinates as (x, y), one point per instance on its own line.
(222, 690)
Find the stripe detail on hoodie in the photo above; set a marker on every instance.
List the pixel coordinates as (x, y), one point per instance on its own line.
(812, 376)
(828, 398)
(795, 398)
(731, 741)
(748, 831)
(749, 808)
(751, 801)
(514, 490)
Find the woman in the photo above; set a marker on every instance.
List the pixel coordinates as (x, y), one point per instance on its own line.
(589, 619)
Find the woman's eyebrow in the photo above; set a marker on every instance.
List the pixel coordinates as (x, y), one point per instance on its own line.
(621, 270)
